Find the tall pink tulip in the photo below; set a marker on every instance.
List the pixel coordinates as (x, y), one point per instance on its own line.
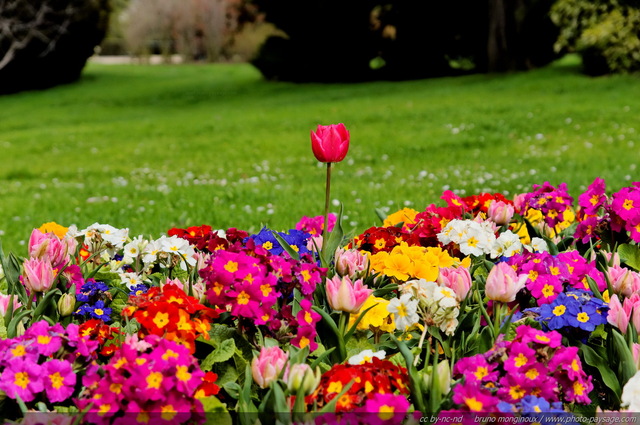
(268, 365)
(503, 283)
(330, 143)
(456, 278)
(38, 275)
(345, 295)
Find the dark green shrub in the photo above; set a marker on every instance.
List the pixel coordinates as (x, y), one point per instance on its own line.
(606, 33)
(44, 43)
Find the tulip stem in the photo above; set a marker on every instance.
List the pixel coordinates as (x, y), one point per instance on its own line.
(325, 227)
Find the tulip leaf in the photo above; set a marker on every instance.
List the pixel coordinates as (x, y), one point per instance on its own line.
(381, 214)
(222, 353)
(285, 245)
(630, 255)
(592, 358)
(44, 303)
(333, 240)
(626, 364)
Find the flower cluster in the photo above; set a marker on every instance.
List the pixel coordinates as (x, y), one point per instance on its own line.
(547, 203)
(601, 215)
(256, 287)
(438, 305)
(574, 309)
(42, 364)
(405, 262)
(93, 295)
(167, 378)
(382, 239)
(170, 313)
(535, 363)
(297, 240)
(549, 275)
(367, 381)
(315, 225)
(202, 237)
(105, 335)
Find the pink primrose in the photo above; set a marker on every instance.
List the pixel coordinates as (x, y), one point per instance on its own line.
(59, 380)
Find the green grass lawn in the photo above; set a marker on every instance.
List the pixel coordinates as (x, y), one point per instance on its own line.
(152, 147)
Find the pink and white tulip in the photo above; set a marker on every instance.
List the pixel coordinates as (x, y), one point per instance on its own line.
(345, 295)
(503, 283)
(268, 365)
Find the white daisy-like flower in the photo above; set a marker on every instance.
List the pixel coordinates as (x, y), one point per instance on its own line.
(365, 356)
(537, 245)
(507, 245)
(445, 297)
(130, 279)
(405, 311)
(631, 394)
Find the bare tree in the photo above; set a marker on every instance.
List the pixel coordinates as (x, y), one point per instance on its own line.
(24, 24)
(47, 42)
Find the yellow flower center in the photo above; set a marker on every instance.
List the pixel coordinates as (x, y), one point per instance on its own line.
(520, 360)
(21, 380)
(473, 404)
(57, 380)
(547, 291)
(268, 245)
(243, 298)
(161, 319)
(335, 387)
(582, 317)
(628, 204)
(559, 310)
(182, 373)
(231, 267)
(386, 412)
(481, 372)
(154, 380)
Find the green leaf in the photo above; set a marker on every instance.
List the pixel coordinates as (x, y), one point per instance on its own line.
(44, 303)
(333, 240)
(216, 411)
(608, 376)
(222, 353)
(626, 364)
(630, 255)
(285, 245)
(381, 214)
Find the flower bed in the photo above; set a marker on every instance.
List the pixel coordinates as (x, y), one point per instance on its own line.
(481, 309)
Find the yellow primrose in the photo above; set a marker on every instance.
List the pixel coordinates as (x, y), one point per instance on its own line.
(405, 215)
(378, 317)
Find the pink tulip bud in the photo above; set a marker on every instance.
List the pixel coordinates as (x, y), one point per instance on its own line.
(624, 281)
(344, 295)
(618, 316)
(519, 202)
(4, 304)
(500, 212)
(456, 278)
(302, 377)
(268, 365)
(330, 143)
(350, 262)
(503, 283)
(38, 275)
(47, 246)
